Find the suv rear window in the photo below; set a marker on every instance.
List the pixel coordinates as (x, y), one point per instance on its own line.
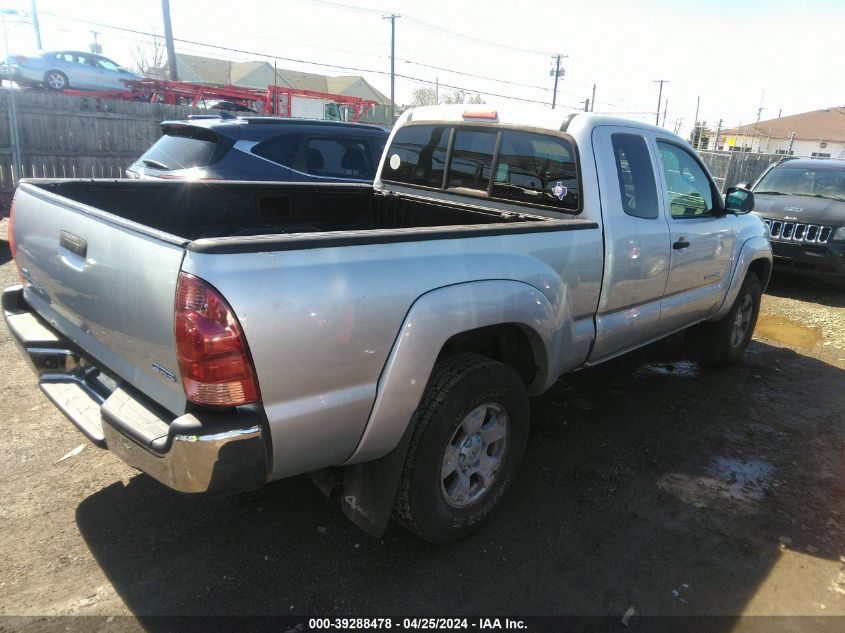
(531, 167)
(181, 148)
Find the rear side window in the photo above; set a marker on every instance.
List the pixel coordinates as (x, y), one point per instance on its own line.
(336, 157)
(536, 168)
(279, 149)
(181, 148)
(418, 155)
(637, 187)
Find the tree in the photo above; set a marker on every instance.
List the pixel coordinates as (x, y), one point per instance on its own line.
(149, 56)
(424, 97)
(428, 96)
(698, 138)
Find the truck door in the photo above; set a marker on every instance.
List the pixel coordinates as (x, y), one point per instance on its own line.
(636, 241)
(702, 238)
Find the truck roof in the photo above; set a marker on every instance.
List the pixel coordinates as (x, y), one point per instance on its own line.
(531, 116)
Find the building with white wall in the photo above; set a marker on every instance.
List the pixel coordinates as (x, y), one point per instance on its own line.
(818, 134)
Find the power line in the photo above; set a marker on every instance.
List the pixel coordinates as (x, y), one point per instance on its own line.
(302, 61)
(425, 26)
(421, 24)
(311, 63)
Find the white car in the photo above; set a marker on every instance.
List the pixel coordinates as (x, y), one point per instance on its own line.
(59, 70)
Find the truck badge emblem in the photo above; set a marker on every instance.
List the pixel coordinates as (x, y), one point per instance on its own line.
(163, 372)
(793, 209)
(559, 190)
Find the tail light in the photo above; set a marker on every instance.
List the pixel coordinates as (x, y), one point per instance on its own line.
(12, 237)
(213, 355)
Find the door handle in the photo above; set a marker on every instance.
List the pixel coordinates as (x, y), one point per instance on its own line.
(681, 243)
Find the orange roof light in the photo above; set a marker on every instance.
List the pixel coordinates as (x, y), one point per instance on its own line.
(490, 115)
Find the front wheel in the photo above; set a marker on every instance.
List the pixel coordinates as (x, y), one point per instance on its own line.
(724, 341)
(471, 431)
(55, 80)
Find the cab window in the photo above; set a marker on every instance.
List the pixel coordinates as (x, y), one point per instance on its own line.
(689, 191)
(536, 168)
(472, 159)
(417, 155)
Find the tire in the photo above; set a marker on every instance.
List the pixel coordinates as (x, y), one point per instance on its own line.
(55, 80)
(466, 392)
(724, 341)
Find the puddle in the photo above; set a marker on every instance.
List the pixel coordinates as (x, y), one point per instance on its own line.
(684, 368)
(744, 481)
(786, 332)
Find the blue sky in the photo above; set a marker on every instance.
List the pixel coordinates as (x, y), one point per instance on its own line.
(728, 53)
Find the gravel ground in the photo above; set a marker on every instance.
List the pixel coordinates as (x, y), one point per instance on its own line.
(649, 483)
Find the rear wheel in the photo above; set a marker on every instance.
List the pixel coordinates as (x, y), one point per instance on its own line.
(55, 80)
(724, 341)
(471, 430)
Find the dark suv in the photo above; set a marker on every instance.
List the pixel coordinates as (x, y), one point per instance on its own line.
(262, 148)
(802, 201)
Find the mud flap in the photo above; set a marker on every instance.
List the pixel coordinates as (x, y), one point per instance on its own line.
(369, 489)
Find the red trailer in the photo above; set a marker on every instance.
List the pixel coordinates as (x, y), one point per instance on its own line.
(274, 101)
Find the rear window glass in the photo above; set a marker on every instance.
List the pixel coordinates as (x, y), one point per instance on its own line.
(531, 167)
(181, 148)
(417, 155)
(538, 169)
(472, 159)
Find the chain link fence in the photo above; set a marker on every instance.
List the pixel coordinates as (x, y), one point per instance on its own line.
(730, 168)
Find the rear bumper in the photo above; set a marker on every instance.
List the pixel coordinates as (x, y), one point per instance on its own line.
(194, 452)
(821, 259)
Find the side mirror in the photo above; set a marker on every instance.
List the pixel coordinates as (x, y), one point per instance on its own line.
(739, 200)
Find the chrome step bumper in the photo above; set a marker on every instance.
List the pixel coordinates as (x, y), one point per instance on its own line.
(194, 452)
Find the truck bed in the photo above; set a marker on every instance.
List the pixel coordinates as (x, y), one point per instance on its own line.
(202, 210)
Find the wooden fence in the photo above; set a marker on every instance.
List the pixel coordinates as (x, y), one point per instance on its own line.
(77, 137)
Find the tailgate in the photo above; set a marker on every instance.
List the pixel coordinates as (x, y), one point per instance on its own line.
(106, 284)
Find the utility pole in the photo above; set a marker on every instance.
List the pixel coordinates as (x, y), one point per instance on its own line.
(95, 45)
(437, 91)
(34, 13)
(757, 122)
(392, 17)
(659, 99)
(593, 100)
(586, 103)
(718, 130)
(556, 72)
(695, 124)
(665, 109)
(791, 140)
(13, 111)
(761, 108)
(168, 37)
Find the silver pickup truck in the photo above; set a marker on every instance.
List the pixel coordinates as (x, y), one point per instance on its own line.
(220, 335)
